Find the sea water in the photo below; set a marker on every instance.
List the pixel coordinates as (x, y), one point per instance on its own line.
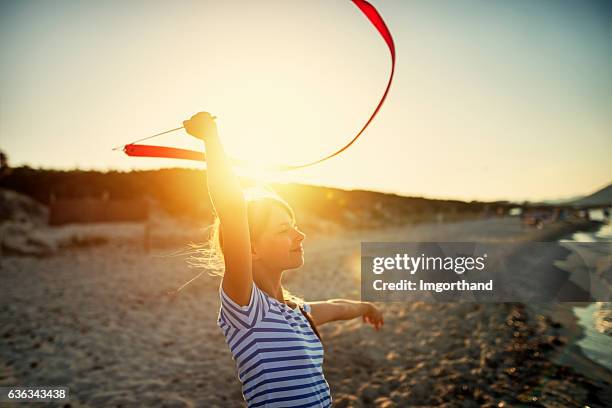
(595, 318)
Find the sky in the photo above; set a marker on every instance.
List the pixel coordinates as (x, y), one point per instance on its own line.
(491, 100)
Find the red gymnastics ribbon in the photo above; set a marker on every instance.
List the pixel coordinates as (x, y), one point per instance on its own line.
(371, 13)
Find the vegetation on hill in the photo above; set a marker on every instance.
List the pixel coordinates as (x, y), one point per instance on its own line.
(182, 192)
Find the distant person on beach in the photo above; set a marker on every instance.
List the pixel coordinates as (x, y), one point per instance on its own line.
(272, 334)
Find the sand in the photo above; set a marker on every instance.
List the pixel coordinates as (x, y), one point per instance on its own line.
(96, 319)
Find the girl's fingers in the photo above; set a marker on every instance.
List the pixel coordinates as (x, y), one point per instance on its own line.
(376, 321)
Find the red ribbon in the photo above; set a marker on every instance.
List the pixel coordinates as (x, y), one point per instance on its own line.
(161, 151)
(169, 152)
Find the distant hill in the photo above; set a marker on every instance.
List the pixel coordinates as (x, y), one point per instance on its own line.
(564, 200)
(182, 192)
(600, 197)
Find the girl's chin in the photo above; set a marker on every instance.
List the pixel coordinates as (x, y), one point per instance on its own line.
(297, 260)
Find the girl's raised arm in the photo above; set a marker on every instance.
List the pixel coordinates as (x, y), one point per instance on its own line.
(229, 204)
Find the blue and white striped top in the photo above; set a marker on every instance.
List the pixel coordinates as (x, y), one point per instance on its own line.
(278, 356)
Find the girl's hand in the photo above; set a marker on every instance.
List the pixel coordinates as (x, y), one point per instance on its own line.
(373, 316)
(201, 125)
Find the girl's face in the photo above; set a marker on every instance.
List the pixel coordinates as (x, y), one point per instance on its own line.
(279, 246)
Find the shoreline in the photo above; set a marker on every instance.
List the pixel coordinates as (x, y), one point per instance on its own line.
(567, 326)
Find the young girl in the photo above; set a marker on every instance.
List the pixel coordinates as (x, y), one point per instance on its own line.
(273, 339)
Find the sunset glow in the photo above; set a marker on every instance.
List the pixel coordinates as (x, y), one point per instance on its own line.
(490, 100)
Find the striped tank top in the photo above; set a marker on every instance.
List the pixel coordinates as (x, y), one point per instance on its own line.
(278, 356)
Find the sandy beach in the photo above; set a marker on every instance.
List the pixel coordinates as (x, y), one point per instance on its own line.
(97, 319)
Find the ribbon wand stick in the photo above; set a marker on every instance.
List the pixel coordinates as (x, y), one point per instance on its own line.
(149, 137)
(152, 136)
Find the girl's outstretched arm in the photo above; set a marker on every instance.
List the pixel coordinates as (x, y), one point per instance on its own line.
(229, 205)
(343, 309)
